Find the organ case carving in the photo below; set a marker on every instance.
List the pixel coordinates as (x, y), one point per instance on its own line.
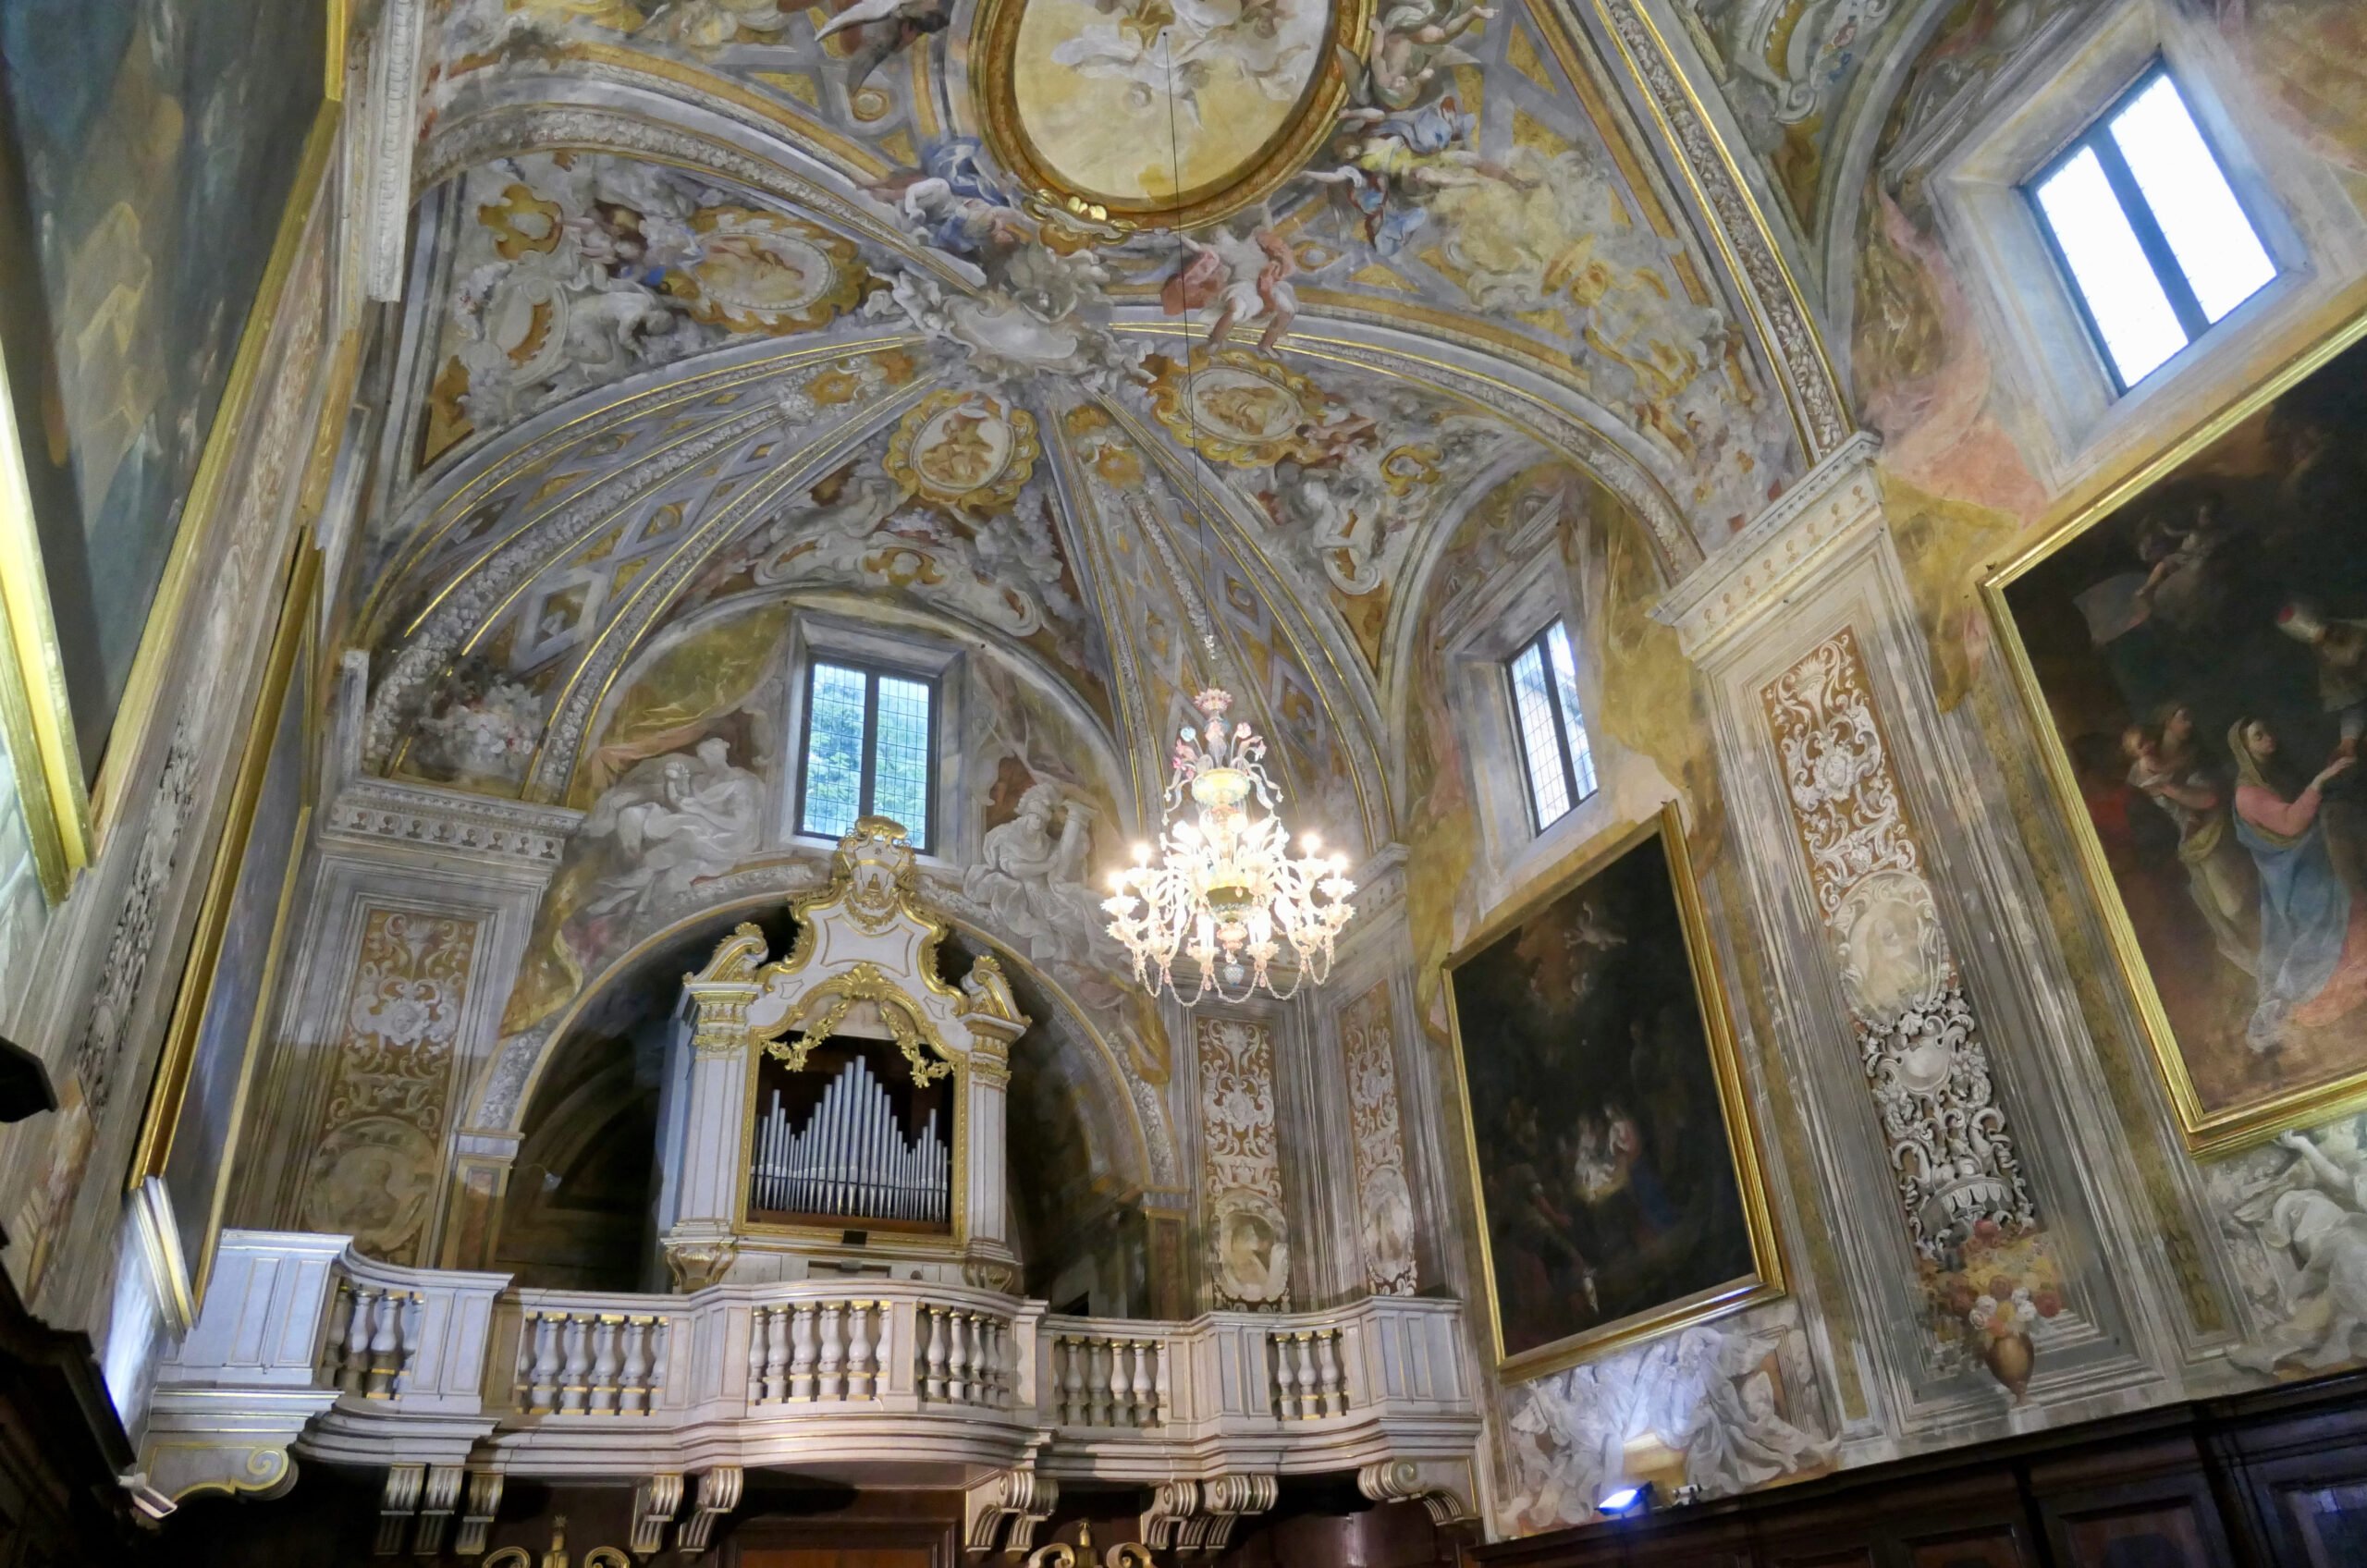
(845, 1103)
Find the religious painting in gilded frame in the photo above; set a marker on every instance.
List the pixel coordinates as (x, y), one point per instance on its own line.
(1616, 1164)
(2192, 649)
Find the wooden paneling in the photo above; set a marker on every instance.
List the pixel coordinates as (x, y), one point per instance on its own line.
(2276, 1479)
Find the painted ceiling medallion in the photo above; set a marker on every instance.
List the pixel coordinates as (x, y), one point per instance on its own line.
(761, 272)
(1237, 407)
(963, 449)
(1105, 108)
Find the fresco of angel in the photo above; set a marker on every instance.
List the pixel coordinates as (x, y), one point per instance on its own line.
(1388, 169)
(1247, 277)
(882, 30)
(1411, 43)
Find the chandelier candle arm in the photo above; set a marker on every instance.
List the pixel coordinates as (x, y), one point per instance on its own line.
(1226, 892)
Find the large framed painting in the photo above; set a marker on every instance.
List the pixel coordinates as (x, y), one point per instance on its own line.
(1612, 1149)
(2194, 649)
(181, 1172)
(152, 153)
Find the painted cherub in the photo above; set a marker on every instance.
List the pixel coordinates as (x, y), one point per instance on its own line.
(1411, 43)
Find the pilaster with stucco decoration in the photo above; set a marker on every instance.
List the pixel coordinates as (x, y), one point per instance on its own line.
(1927, 1027)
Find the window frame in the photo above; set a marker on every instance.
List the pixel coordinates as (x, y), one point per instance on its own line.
(2095, 136)
(1539, 642)
(867, 749)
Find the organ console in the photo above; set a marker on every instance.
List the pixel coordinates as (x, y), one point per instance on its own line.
(842, 1105)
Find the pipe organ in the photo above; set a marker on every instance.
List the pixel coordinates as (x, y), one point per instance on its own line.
(841, 1106)
(850, 1159)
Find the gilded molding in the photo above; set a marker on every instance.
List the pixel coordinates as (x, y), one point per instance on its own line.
(1777, 306)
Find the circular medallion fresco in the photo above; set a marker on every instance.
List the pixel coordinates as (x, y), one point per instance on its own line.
(964, 448)
(1158, 113)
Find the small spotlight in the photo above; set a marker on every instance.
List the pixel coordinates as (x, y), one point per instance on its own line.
(1626, 1501)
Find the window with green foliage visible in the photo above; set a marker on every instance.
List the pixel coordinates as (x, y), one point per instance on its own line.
(869, 751)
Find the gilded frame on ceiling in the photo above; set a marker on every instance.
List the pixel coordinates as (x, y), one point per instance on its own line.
(2191, 477)
(1613, 895)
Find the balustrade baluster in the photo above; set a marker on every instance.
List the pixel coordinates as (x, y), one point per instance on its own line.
(1310, 1401)
(777, 1352)
(1146, 1409)
(656, 1379)
(385, 1342)
(764, 1334)
(354, 1375)
(998, 1371)
(340, 1321)
(1333, 1384)
(1158, 1352)
(1072, 1381)
(801, 1339)
(542, 1388)
(959, 1357)
(606, 1358)
(859, 1362)
(1107, 1383)
(575, 1379)
(933, 1374)
(1285, 1376)
(834, 1352)
(633, 1393)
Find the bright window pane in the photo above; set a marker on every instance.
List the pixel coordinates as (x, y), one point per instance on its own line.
(833, 751)
(899, 765)
(2132, 314)
(1574, 724)
(2215, 245)
(1533, 708)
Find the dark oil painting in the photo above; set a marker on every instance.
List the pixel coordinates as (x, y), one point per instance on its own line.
(2202, 653)
(1610, 1189)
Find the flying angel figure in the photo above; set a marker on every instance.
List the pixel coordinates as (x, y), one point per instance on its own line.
(886, 28)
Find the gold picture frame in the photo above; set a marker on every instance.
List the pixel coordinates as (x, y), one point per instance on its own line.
(2206, 1131)
(1764, 1280)
(289, 670)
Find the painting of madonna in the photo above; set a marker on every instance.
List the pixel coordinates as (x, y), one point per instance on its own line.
(1617, 1198)
(2200, 651)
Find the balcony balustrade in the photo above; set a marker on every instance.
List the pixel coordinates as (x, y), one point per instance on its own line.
(865, 1380)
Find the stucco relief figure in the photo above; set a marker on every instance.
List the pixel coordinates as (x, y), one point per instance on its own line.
(2303, 1220)
(672, 821)
(1031, 875)
(1730, 1400)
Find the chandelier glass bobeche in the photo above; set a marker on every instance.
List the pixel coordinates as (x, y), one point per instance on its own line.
(1226, 893)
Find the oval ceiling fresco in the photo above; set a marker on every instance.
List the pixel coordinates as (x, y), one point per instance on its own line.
(1161, 113)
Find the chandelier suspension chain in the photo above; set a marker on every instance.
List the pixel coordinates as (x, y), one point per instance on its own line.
(1225, 885)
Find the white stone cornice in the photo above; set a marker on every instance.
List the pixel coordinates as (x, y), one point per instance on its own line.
(1777, 555)
(502, 833)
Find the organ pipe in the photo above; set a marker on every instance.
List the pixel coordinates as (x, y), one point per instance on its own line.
(851, 1160)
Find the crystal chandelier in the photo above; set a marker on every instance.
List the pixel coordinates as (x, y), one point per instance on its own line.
(1226, 893)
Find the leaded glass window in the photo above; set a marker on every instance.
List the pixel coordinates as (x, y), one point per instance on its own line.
(1556, 762)
(870, 750)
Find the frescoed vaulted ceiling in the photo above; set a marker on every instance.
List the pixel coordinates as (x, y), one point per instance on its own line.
(1148, 344)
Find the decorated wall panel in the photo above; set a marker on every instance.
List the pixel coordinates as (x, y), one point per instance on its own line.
(377, 1154)
(1245, 1226)
(1384, 1195)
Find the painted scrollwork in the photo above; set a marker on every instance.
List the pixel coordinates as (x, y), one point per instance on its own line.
(1917, 1037)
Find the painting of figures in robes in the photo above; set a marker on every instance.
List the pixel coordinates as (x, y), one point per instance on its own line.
(2198, 650)
(1620, 1186)
(154, 145)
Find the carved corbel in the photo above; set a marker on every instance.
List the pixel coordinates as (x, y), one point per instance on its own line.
(1005, 1509)
(1434, 1487)
(396, 1503)
(697, 1265)
(476, 1519)
(435, 1505)
(1201, 1516)
(654, 1502)
(718, 1495)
